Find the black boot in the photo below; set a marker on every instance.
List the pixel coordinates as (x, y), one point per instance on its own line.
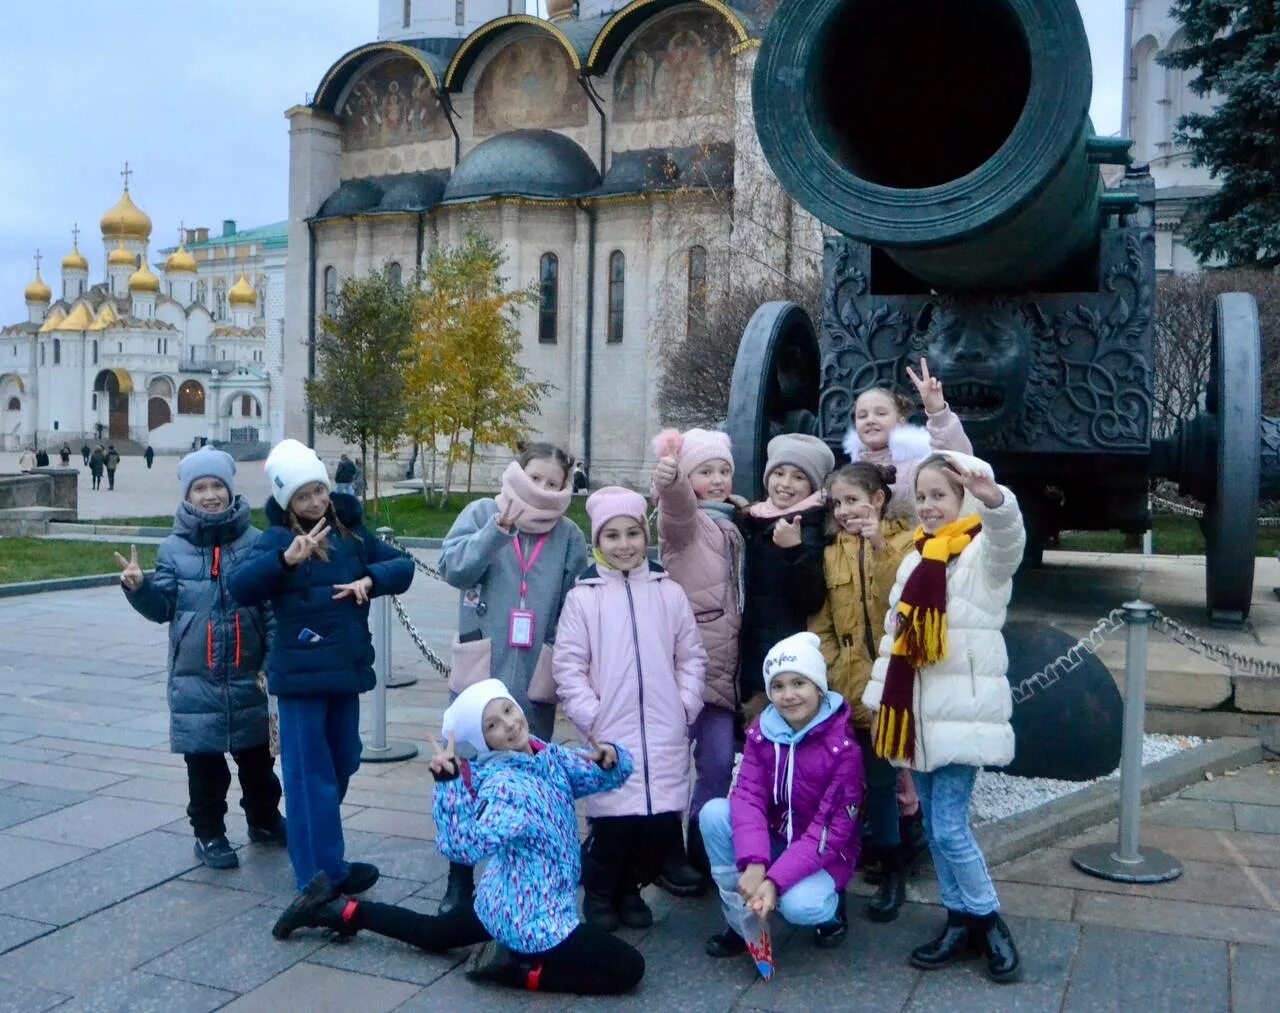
(492, 961)
(599, 885)
(216, 852)
(954, 942)
(633, 912)
(459, 892)
(997, 943)
(727, 944)
(302, 912)
(830, 934)
(883, 907)
(680, 879)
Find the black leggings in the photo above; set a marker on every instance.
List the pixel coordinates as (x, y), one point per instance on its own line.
(209, 777)
(588, 962)
(624, 853)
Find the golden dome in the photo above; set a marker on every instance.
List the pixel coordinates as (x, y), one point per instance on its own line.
(144, 280)
(126, 220)
(180, 260)
(37, 291)
(243, 294)
(120, 257)
(74, 261)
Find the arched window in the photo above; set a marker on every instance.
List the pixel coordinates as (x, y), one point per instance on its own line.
(202, 292)
(394, 273)
(159, 345)
(548, 298)
(42, 353)
(15, 405)
(57, 351)
(696, 322)
(220, 299)
(95, 351)
(330, 290)
(191, 398)
(617, 299)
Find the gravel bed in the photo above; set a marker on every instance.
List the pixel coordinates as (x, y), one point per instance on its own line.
(998, 795)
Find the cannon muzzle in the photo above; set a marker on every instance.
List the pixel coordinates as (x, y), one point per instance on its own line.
(954, 136)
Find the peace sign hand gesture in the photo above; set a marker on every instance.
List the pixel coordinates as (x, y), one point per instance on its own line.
(444, 763)
(928, 387)
(982, 487)
(304, 546)
(130, 571)
(604, 756)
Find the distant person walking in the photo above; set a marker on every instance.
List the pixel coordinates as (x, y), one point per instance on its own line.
(97, 463)
(113, 462)
(42, 458)
(344, 476)
(26, 461)
(97, 428)
(150, 455)
(84, 453)
(65, 454)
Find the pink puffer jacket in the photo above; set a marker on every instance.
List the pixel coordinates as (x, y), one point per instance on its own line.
(819, 788)
(629, 669)
(704, 556)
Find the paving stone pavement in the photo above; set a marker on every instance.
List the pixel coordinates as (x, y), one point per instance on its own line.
(104, 907)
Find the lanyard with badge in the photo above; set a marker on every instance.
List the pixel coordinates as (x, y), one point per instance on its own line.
(520, 621)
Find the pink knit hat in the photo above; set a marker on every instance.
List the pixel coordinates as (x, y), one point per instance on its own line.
(694, 447)
(612, 501)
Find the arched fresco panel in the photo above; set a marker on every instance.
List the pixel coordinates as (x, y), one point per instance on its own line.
(678, 66)
(389, 104)
(529, 85)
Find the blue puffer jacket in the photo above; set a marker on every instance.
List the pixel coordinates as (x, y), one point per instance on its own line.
(519, 812)
(216, 646)
(341, 660)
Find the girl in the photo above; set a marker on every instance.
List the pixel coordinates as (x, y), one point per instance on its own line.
(880, 434)
(787, 836)
(702, 549)
(513, 555)
(860, 565)
(783, 551)
(629, 668)
(940, 686)
(318, 566)
(514, 806)
(216, 649)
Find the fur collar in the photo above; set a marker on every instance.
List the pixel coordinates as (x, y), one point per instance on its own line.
(907, 443)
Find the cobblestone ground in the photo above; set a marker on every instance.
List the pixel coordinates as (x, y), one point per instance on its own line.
(103, 906)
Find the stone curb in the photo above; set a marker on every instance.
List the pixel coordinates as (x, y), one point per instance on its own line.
(57, 528)
(1017, 835)
(61, 584)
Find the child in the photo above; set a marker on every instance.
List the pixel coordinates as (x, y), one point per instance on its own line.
(216, 649)
(318, 566)
(629, 668)
(859, 565)
(514, 806)
(880, 434)
(516, 552)
(784, 542)
(786, 838)
(940, 686)
(702, 549)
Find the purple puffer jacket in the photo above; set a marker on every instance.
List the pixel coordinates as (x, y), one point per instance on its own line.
(825, 789)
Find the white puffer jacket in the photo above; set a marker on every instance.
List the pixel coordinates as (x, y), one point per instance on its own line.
(962, 703)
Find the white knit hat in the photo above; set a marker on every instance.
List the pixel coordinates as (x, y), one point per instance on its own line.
(290, 466)
(800, 653)
(464, 718)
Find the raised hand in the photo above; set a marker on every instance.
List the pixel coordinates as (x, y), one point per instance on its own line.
(665, 472)
(602, 755)
(786, 533)
(444, 762)
(983, 487)
(507, 519)
(928, 387)
(869, 528)
(130, 571)
(358, 589)
(304, 546)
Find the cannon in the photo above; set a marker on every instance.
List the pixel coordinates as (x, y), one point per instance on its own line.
(949, 147)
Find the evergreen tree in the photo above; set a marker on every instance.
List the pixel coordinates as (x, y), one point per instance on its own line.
(1235, 46)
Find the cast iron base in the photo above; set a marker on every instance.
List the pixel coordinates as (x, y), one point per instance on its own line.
(1103, 860)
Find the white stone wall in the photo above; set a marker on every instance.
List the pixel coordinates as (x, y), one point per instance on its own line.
(439, 18)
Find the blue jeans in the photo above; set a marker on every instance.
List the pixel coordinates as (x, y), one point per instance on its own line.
(812, 901)
(319, 751)
(963, 879)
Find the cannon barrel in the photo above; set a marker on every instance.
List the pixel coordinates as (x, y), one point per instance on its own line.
(954, 136)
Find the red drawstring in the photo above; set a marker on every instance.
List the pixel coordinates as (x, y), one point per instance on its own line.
(217, 558)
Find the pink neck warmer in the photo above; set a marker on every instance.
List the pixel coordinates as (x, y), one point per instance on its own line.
(767, 510)
(538, 509)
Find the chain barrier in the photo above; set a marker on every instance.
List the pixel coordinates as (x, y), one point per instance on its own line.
(1174, 507)
(433, 659)
(1240, 664)
(425, 567)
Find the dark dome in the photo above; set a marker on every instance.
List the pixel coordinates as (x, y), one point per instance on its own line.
(523, 163)
(352, 197)
(412, 191)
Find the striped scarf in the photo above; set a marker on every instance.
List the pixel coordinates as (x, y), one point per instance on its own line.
(921, 635)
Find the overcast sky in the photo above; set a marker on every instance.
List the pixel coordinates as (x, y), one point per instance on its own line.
(193, 96)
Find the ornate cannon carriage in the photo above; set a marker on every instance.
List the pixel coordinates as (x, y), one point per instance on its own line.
(949, 146)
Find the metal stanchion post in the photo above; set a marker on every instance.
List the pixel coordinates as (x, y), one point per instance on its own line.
(394, 681)
(382, 749)
(1127, 862)
(1147, 535)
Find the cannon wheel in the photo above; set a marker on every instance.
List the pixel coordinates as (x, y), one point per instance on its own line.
(1234, 400)
(774, 389)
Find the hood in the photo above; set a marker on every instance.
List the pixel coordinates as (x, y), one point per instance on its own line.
(774, 726)
(200, 528)
(969, 505)
(597, 573)
(347, 507)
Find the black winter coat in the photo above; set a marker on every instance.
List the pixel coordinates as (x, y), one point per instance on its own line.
(784, 588)
(335, 653)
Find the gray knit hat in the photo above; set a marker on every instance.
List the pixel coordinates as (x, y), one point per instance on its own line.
(808, 453)
(207, 463)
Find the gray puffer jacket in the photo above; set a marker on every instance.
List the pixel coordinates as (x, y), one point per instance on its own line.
(216, 646)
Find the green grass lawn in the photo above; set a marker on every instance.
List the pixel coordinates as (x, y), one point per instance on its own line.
(23, 559)
(1173, 535)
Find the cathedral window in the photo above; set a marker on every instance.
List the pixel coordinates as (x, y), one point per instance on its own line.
(93, 403)
(220, 300)
(548, 298)
(159, 345)
(42, 353)
(95, 351)
(330, 290)
(696, 316)
(191, 398)
(408, 13)
(57, 351)
(460, 12)
(202, 292)
(394, 274)
(15, 405)
(617, 299)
